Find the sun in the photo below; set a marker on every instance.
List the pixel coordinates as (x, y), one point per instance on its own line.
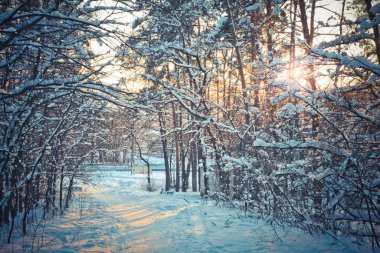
(297, 77)
(293, 77)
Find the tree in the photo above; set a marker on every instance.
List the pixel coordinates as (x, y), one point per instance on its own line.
(49, 87)
(293, 136)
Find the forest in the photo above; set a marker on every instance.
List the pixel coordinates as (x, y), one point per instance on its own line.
(268, 106)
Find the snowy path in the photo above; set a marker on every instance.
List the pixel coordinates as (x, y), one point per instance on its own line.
(118, 216)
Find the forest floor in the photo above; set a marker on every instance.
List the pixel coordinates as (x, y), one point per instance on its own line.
(116, 214)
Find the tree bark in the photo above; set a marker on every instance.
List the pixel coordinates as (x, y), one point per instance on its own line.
(376, 33)
(240, 62)
(165, 150)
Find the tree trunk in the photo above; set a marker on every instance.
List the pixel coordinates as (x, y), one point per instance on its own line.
(308, 35)
(26, 206)
(376, 33)
(69, 190)
(240, 62)
(182, 156)
(165, 150)
(61, 189)
(177, 156)
(293, 17)
(194, 166)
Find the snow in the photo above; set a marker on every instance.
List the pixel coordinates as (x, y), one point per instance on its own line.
(151, 159)
(259, 142)
(255, 7)
(117, 215)
(221, 23)
(355, 62)
(376, 8)
(276, 62)
(51, 105)
(288, 111)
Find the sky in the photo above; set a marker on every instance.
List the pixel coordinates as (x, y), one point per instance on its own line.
(115, 73)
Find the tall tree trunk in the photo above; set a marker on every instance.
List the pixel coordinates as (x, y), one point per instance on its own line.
(54, 191)
(376, 33)
(308, 35)
(13, 216)
(182, 155)
(268, 6)
(61, 189)
(1, 197)
(220, 173)
(165, 150)
(200, 161)
(240, 62)
(202, 154)
(26, 206)
(177, 149)
(254, 54)
(194, 165)
(70, 189)
(337, 77)
(293, 34)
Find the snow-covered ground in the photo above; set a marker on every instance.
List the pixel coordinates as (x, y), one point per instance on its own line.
(117, 215)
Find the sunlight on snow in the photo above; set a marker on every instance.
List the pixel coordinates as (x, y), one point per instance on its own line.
(135, 216)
